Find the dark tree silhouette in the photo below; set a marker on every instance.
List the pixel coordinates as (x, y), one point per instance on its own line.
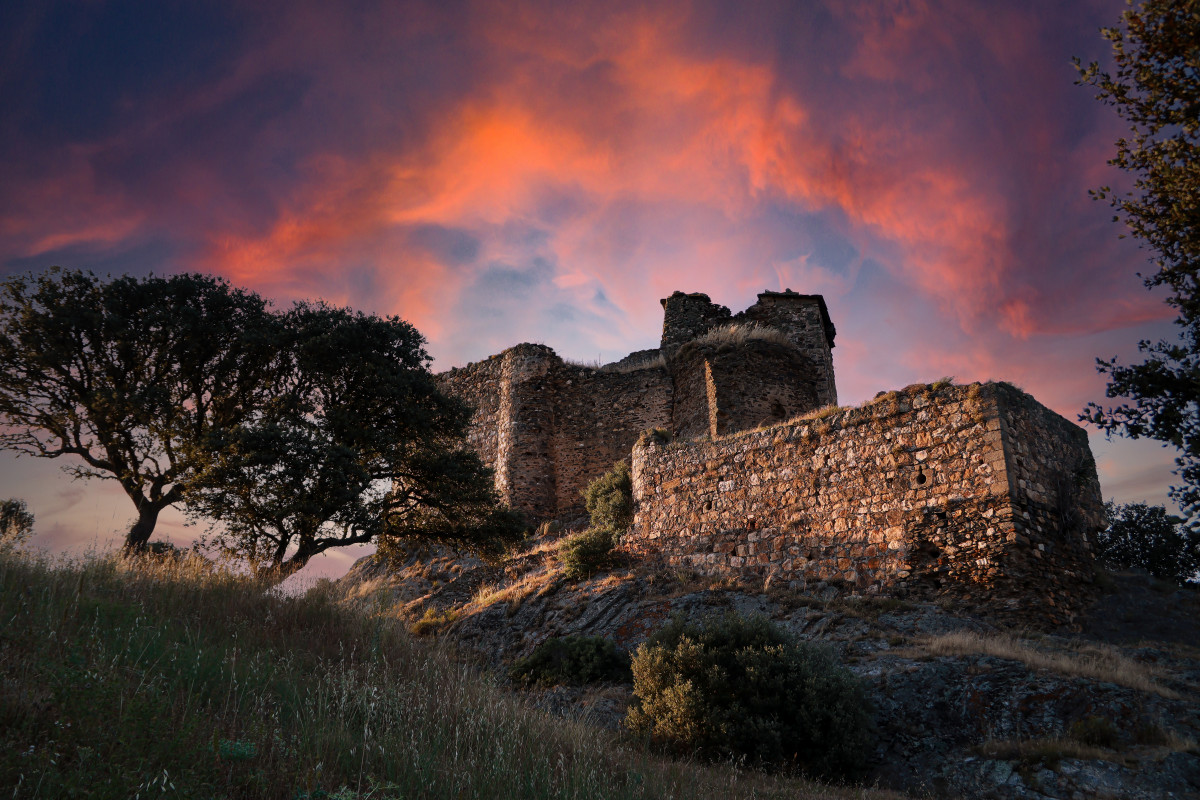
(129, 376)
(358, 445)
(1156, 89)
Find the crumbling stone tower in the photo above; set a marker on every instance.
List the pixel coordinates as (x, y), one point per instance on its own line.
(548, 428)
(734, 372)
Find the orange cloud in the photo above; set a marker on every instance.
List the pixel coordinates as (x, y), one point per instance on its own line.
(709, 135)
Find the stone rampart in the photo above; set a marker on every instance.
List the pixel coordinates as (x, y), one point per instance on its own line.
(978, 493)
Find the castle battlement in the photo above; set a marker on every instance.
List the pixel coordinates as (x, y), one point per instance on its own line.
(973, 491)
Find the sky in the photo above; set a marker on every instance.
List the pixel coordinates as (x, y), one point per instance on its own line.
(499, 172)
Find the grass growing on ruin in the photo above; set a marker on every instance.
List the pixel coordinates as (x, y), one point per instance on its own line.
(740, 333)
(177, 681)
(657, 361)
(1094, 662)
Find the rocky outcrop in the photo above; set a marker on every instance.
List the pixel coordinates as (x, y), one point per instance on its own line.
(970, 724)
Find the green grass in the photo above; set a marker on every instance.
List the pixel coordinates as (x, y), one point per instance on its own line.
(175, 681)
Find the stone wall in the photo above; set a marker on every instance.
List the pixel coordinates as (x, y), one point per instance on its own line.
(934, 491)
(479, 385)
(805, 320)
(600, 415)
(548, 428)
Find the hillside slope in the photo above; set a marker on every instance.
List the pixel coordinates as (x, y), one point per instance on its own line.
(965, 707)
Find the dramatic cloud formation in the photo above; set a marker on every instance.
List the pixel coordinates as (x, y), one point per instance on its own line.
(501, 172)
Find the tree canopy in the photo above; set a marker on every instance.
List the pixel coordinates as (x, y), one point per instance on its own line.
(1147, 537)
(357, 445)
(129, 376)
(299, 431)
(1156, 89)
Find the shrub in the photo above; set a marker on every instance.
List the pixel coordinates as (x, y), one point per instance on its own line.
(609, 499)
(433, 621)
(573, 659)
(1095, 731)
(744, 687)
(16, 522)
(585, 553)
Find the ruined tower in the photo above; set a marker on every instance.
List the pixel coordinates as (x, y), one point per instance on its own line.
(548, 428)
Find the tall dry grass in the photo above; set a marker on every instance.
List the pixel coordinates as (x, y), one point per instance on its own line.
(178, 680)
(1092, 661)
(739, 333)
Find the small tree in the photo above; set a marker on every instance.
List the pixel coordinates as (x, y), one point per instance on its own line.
(357, 446)
(129, 376)
(609, 499)
(16, 523)
(1147, 537)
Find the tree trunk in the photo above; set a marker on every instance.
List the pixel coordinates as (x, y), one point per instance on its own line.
(139, 533)
(275, 574)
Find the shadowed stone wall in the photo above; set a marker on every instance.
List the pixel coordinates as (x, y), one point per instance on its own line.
(549, 428)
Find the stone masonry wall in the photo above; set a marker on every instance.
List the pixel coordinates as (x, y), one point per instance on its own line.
(1056, 495)
(911, 494)
(805, 319)
(479, 385)
(548, 428)
(600, 416)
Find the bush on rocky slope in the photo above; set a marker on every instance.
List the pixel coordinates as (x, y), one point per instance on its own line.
(743, 687)
(573, 659)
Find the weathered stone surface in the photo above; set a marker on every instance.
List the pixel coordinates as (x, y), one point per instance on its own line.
(548, 428)
(977, 492)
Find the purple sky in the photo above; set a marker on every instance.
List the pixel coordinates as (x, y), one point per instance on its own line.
(505, 172)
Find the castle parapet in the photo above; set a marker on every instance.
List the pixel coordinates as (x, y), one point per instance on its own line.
(688, 316)
(977, 493)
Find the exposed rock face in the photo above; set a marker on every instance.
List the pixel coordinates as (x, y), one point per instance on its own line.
(936, 714)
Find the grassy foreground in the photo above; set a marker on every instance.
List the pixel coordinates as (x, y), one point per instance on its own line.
(172, 680)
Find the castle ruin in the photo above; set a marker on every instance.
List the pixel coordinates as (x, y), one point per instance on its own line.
(978, 492)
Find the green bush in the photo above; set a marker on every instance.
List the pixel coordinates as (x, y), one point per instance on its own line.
(16, 522)
(609, 499)
(573, 659)
(739, 687)
(585, 553)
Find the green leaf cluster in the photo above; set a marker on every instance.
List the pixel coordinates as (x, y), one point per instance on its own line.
(744, 688)
(585, 553)
(1141, 536)
(575, 660)
(609, 498)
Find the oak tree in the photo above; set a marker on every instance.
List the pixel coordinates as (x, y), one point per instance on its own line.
(128, 377)
(358, 445)
(1155, 88)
